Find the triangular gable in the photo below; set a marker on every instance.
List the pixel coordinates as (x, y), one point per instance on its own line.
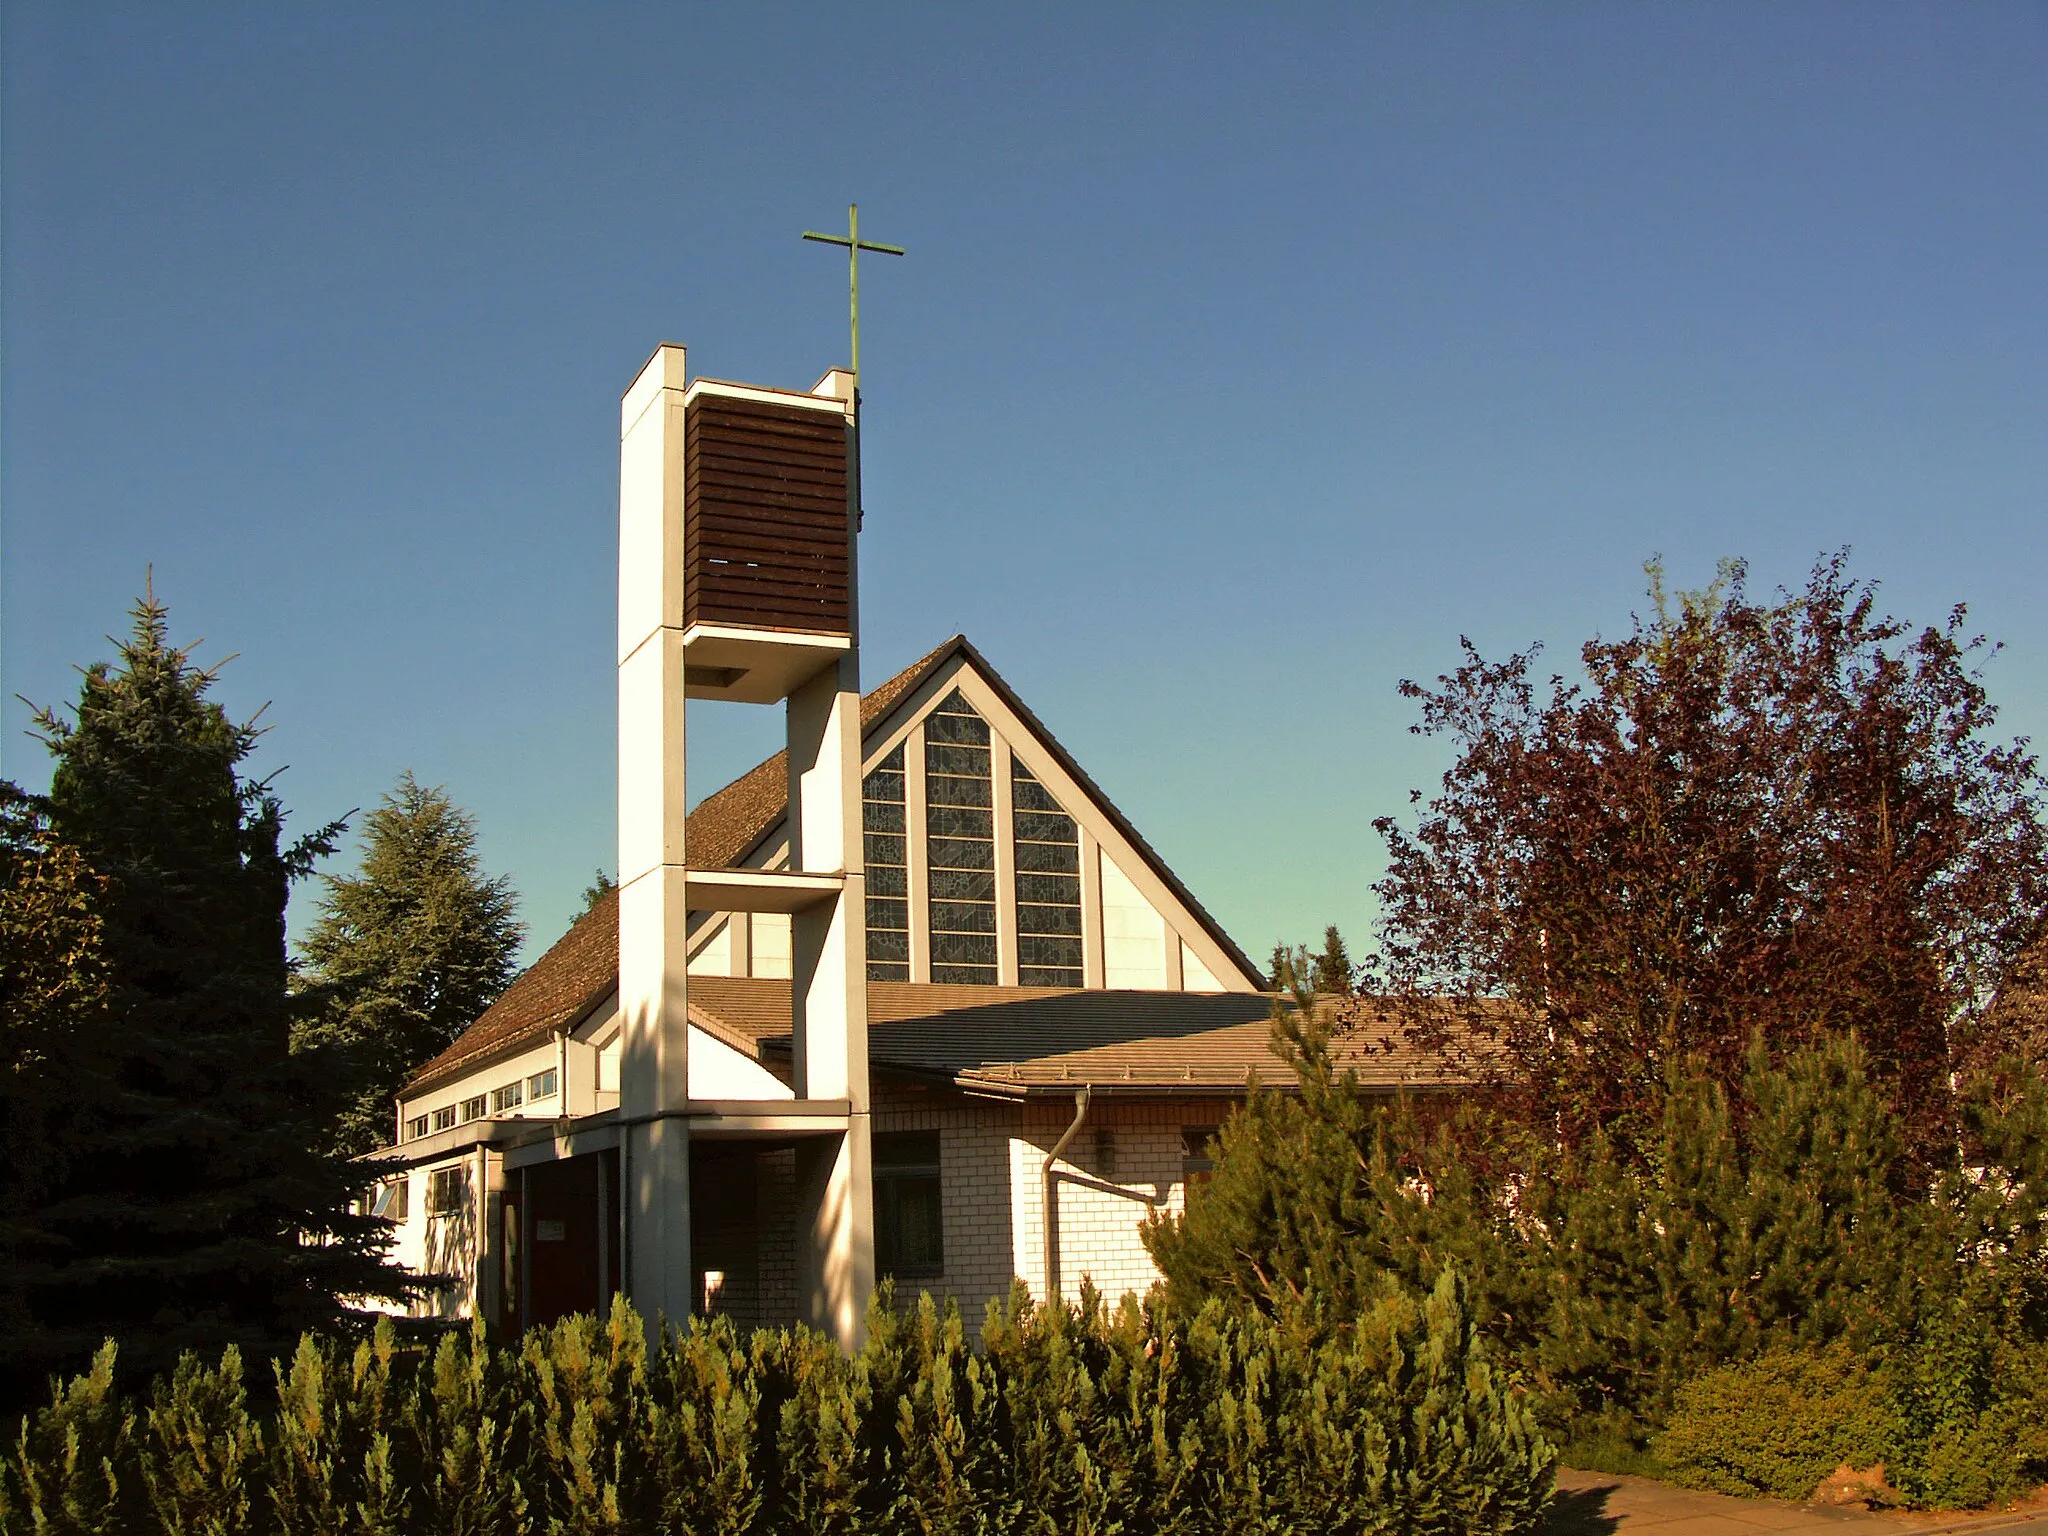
(1135, 884)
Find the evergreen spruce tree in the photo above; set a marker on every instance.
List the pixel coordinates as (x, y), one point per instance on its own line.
(1333, 970)
(406, 953)
(193, 1214)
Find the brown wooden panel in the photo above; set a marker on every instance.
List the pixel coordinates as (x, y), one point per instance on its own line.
(727, 424)
(766, 529)
(761, 533)
(781, 475)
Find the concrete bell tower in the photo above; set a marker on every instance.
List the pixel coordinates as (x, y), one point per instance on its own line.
(739, 510)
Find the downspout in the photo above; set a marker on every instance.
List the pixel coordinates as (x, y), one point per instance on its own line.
(562, 1074)
(1052, 1218)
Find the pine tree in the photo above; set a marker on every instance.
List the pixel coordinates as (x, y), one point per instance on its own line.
(194, 1214)
(406, 953)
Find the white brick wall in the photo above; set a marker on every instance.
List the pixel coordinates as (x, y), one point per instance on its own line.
(991, 1157)
(974, 1183)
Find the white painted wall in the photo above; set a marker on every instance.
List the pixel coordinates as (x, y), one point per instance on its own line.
(771, 945)
(1195, 976)
(717, 1071)
(713, 954)
(1133, 934)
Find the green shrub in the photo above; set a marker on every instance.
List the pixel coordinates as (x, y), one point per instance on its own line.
(1959, 1418)
(1077, 1419)
(1777, 1425)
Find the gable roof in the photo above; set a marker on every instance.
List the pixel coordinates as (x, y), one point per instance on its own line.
(582, 967)
(578, 972)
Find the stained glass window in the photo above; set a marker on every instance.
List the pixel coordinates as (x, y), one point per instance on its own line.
(960, 842)
(1048, 848)
(888, 871)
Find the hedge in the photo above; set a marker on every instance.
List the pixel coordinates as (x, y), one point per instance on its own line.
(1080, 1420)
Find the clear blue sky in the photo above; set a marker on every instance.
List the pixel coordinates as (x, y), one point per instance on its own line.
(1244, 358)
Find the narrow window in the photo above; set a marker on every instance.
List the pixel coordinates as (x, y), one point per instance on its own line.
(541, 1085)
(511, 1096)
(444, 1118)
(416, 1126)
(1197, 1155)
(447, 1191)
(1048, 853)
(908, 1207)
(393, 1199)
(1105, 1152)
(888, 870)
(472, 1109)
(960, 842)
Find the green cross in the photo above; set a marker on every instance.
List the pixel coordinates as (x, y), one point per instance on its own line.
(854, 246)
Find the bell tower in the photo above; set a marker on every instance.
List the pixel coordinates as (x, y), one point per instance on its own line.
(739, 511)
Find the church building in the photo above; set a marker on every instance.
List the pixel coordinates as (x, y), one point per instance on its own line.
(911, 998)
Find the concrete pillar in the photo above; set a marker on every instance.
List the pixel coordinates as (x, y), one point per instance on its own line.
(653, 914)
(828, 987)
(835, 1231)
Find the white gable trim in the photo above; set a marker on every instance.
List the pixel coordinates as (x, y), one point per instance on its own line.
(903, 724)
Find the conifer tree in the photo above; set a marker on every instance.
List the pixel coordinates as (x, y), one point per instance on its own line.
(193, 1214)
(406, 953)
(1333, 969)
(601, 885)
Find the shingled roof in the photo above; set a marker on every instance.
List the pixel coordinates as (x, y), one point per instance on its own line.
(1017, 1040)
(582, 967)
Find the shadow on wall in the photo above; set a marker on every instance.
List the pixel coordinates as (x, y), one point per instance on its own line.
(451, 1239)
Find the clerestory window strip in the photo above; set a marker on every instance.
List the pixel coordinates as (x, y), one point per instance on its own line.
(960, 843)
(888, 871)
(1048, 854)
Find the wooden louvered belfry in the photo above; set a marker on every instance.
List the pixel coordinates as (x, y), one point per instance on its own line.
(769, 515)
(768, 512)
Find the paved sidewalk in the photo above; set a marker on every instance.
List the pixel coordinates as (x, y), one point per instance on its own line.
(1601, 1504)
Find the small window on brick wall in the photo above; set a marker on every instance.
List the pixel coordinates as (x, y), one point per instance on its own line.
(1197, 1160)
(1105, 1152)
(909, 1206)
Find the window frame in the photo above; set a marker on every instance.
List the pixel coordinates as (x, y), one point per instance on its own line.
(448, 1190)
(395, 1192)
(896, 1174)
